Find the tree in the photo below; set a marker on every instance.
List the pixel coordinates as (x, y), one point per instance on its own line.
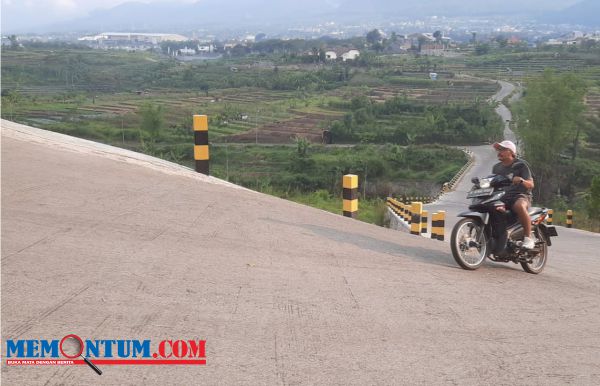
(438, 36)
(14, 42)
(593, 202)
(482, 49)
(374, 37)
(302, 145)
(152, 119)
(10, 99)
(553, 107)
(501, 40)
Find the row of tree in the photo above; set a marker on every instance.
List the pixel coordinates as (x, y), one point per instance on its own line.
(446, 124)
(553, 128)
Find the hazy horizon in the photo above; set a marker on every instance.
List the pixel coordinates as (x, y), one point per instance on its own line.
(35, 15)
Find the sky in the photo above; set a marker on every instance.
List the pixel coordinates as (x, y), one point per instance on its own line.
(22, 14)
(17, 13)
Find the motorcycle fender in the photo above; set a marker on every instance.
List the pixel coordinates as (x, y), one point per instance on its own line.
(484, 217)
(549, 231)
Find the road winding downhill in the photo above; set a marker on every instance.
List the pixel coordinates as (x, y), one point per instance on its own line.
(484, 158)
(110, 244)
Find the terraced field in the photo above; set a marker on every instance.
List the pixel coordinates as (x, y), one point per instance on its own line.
(455, 91)
(592, 102)
(305, 125)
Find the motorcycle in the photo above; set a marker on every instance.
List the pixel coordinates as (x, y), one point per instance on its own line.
(491, 230)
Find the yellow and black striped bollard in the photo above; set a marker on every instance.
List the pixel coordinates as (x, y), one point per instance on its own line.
(201, 144)
(549, 219)
(569, 218)
(350, 195)
(415, 219)
(424, 219)
(434, 228)
(437, 225)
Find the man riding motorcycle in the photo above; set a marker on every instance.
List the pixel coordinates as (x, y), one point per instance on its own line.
(518, 195)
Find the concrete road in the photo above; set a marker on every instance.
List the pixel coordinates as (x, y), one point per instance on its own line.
(484, 156)
(110, 244)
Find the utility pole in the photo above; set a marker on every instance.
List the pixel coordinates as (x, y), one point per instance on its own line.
(256, 129)
(227, 162)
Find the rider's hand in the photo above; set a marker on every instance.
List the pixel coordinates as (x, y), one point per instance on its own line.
(517, 180)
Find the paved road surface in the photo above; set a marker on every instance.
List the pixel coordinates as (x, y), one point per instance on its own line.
(109, 244)
(484, 158)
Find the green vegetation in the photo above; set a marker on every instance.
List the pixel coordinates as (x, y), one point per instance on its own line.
(269, 103)
(399, 121)
(561, 143)
(382, 169)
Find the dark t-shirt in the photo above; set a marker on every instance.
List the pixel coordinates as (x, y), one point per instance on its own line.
(519, 168)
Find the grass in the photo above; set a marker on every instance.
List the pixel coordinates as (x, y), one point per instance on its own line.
(369, 210)
(93, 94)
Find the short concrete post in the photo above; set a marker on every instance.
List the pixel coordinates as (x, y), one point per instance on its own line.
(201, 154)
(437, 225)
(424, 219)
(434, 225)
(415, 220)
(350, 195)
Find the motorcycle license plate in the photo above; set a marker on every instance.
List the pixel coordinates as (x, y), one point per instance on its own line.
(480, 192)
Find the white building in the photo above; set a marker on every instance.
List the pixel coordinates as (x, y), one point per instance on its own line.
(206, 48)
(187, 51)
(127, 37)
(350, 55)
(342, 53)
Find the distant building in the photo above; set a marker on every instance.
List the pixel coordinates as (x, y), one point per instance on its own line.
(350, 55)
(206, 48)
(573, 39)
(132, 38)
(187, 51)
(343, 53)
(427, 44)
(330, 55)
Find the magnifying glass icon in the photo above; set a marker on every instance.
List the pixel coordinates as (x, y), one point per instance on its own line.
(71, 346)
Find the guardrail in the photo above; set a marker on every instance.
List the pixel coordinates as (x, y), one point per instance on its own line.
(450, 185)
(413, 219)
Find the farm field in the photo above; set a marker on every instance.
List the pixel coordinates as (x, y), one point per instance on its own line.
(390, 100)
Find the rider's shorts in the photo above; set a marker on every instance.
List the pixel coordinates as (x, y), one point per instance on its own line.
(510, 201)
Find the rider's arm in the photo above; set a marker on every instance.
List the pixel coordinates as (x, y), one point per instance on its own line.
(524, 177)
(527, 184)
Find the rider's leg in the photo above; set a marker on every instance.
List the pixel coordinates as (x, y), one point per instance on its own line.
(521, 208)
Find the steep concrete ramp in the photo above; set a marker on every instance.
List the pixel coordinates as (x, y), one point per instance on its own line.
(108, 244)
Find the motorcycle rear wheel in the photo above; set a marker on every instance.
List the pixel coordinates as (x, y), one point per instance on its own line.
(538, 262)
(469, 243)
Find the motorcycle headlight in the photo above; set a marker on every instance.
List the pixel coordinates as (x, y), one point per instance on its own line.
(484, 183)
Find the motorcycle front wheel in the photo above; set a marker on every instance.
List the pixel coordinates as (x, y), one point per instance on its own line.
(469, 243)
(539, 261)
